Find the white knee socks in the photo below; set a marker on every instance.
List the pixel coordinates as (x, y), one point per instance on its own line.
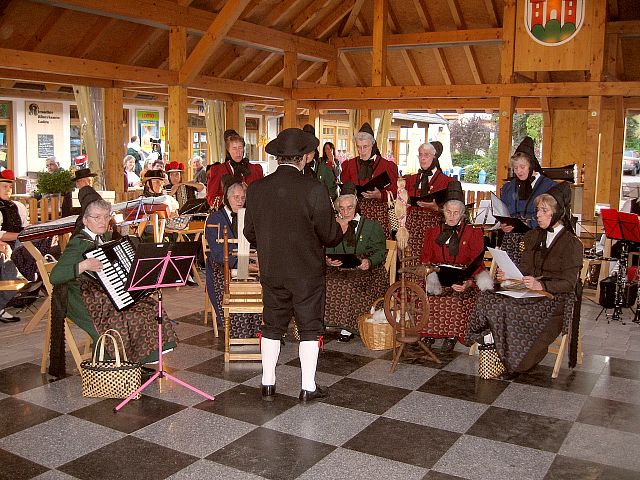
(308, 352)
(270, 350)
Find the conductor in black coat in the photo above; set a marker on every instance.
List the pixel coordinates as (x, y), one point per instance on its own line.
(290, 219)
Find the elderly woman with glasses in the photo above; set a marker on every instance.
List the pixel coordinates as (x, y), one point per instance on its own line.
(78, 296)
(523, 328)
(353, 287)
(458, 248)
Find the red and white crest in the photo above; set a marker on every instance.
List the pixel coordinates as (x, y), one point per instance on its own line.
(553, 22)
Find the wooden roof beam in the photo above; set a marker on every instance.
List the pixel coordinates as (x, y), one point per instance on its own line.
(351, 19)
(624, 28)
(334, 18)
(492, 12)
(93, 36)
(262, 67)
(164, 13)
(557, 89)
(224, 85)
(458, 19)
(407, 57)
(27, 76)
(440, 39)
(279, 11)
(44, 29)
(210, 41)
(379, 63)
(307, 15)
(143, 39)
(427, 24)
(351, 68)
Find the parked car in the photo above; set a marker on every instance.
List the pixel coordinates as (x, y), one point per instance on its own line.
(631, 162)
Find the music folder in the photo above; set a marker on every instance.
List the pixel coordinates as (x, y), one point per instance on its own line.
(438, 196)
(501, 212)
(457, 274)
(349, 260)
(380, 182)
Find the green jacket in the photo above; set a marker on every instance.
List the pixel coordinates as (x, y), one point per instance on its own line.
(326, 176)
(371, 242)
(66, 271)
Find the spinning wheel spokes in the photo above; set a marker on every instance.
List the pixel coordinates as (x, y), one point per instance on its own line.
(412, 298)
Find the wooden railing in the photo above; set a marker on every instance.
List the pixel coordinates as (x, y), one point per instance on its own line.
(43, 210)
(475, 197)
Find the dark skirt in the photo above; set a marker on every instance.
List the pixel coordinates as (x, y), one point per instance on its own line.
(350, 293)
(522, 328)
(449, 313)
(513, 244)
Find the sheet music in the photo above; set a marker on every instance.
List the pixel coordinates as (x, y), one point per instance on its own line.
(484, 215)
(506, 264)
(519, 293)
(498, 207)
(243, 248)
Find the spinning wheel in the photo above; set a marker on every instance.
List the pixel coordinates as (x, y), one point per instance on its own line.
(407, 311)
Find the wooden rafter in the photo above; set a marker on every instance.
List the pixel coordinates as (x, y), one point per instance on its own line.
(379, 63)
(27, 76)
(145, 39)
(44, 29)
(254, 61)
(93, 36)
(407, 57)
(260, 69)
(307, 15)
(351, 68)
(351, 19)
(308, 70)
(427, 24)
(212, 38)
(236, 64)
(279, 11)
(164, 13)
(492, 12)
(329, 22)
(458, 19)
(440, 39)
(229, 53)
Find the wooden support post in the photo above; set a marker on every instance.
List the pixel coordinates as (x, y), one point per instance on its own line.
(233, 117)
(365, 116)
(379, 64)
(505, 128)
(114, 147)
(617, 152)
(591, 164)
(177, 118)
(313, 115)
(508, 41)
(289, 81)
(331, 72)
(547, 132)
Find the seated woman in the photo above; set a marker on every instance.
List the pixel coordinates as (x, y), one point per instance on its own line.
(523, 328)
(430, 178)
(133, 180)
(452, 292)
(181, 191)
(242, 325)
(351, 292)
(520, 193)
(79, 297)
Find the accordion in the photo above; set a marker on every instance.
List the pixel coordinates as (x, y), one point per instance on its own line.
(117, 257)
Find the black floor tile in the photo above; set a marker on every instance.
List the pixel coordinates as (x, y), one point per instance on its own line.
(567, 468)
(14, 467)
(337, 363)
(610, 414)
(404, 442)
(433, 475)
(20, 378)
(271, 454)
(521, 428)
(413, 355)
(133, 416)
(193, 318)
(568, 380)
(464, 387)
(130, 458)
(237, 372)
(364, 396)
(619, 367)
(17, 415)
(246, 404)
(207, 340)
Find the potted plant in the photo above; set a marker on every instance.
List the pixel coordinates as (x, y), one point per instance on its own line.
(58, 182)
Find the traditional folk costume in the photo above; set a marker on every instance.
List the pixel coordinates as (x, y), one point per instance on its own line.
(461, 245)
(290, 230)
(429, 180)
(523, 328)
(519, 197)
(243, 325)
(82, 299)
(243, 170)
(319, 170)
(352, 292)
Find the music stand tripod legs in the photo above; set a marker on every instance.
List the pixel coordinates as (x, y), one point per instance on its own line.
(182, 270)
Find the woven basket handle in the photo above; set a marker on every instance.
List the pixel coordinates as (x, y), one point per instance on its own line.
(100, 345)
(124, 352)
(375, 304)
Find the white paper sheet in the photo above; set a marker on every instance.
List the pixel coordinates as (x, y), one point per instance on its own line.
(484, 215)
(506, 264)
(519, 293)
(499, 208)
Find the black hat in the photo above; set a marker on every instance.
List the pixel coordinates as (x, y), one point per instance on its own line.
(84, 173)
(526, 147)
(348, 188)
(86, 196)
(439, 148)
(366, 127)
(454, 192)
(151, 174)
(229, 133)
(292, 142)
(309, 129)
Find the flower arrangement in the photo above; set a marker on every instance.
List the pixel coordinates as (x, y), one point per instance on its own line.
(60, 181)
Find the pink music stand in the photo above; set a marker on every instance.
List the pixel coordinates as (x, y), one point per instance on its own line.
(158, 272)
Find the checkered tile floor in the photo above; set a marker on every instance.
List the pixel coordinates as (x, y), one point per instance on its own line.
(423, 421)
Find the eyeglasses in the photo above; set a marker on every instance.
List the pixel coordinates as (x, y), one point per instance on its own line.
(97, 218)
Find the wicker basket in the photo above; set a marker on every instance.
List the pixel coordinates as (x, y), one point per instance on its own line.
(375, 336)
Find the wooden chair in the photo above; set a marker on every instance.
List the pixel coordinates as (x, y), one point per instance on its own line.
(208, 306)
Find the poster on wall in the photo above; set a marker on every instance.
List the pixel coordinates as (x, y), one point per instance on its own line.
(148, 127)
(45, 134)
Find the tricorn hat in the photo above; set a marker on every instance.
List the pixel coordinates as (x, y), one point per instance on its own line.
(175, 167)
(454, 192)
(84, 173)
(292, 142)
(526, 147)
(7, 176)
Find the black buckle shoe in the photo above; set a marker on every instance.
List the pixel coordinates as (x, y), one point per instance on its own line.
(448, 344)
(345, 338)
(319, 392)
(428, 341)
(268, 393)
(6, 317)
